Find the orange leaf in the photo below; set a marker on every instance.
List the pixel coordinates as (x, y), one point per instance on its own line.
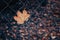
(21, 17)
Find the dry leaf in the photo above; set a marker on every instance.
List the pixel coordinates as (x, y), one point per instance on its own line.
(21, 17)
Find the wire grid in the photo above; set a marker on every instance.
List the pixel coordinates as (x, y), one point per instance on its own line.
(7, 7)
(11, 6)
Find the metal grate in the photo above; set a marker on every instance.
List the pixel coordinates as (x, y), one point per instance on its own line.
(40, 10)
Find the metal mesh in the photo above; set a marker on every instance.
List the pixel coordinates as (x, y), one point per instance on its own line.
(40, 10)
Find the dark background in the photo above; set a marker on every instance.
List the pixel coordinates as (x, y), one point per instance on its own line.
(8, 9)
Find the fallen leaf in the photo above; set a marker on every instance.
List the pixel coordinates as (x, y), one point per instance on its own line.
(21, 17)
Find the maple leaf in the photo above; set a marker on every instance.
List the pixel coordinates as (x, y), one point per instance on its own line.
(21, 17)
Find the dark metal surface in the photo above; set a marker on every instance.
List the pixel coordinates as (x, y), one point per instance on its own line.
(37, 9)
